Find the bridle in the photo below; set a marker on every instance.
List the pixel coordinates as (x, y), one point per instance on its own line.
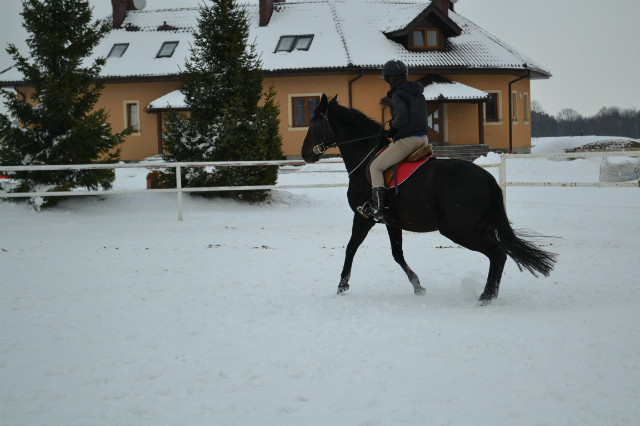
(324, 145)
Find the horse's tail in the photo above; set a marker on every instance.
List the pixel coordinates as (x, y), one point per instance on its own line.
(526, 254)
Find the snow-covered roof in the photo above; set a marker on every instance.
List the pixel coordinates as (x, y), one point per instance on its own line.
(453, 91)
(173, 100)
(347, 34)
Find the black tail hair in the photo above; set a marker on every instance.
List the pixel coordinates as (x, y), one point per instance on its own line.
(526, 254)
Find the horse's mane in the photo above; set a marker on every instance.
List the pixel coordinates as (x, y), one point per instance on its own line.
(353, 116)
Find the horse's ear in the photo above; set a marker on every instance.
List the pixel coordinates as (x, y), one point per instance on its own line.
(323, 101)
(335, 98)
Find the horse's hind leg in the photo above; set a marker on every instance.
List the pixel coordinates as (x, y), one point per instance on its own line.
(497, 259)
(395, 237)
(480, 240)
(359, 231)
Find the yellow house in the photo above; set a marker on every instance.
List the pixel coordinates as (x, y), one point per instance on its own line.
(477, 87)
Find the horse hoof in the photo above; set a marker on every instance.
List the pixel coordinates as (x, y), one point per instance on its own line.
(419, 291)
(484, 302)
(342, 289)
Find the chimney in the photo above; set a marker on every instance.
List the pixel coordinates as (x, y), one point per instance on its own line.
(120, 8)
(443, 5)
(266, 9)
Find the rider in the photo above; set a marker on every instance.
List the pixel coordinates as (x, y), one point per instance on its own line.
(408, 129)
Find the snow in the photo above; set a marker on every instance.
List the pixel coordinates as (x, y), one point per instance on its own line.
(563, 143)
(173, 99)
(113, 312)
(453, 90)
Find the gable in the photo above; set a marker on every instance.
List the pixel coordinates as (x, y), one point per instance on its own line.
(431, 19)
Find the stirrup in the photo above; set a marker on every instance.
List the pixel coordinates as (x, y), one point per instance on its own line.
(368, 212)
(365, 210)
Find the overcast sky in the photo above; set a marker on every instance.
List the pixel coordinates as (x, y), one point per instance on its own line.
(590, 46)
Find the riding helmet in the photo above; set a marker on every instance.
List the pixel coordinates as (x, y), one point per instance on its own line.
(394, 68)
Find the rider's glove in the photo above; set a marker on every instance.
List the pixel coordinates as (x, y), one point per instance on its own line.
(391, 133)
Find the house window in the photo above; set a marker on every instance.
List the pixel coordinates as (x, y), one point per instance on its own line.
(131, 116)
(514, 107)
(527, 108)
(302, 109)
(167, 49)
(426, 38)
(297, 42)
(118, 50)
(492, 108)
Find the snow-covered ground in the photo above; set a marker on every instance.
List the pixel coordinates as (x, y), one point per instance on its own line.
(114, 313)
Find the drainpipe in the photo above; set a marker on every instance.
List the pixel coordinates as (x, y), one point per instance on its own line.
(511, 107)
(351, 88)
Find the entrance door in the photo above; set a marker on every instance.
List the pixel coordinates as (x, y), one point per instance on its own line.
(435, 122)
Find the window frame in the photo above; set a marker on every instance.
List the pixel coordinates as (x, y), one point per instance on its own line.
(425, 37)
(167, 43)
(128, 115)
(514, 107)
(292, 116)
(294, 43)
(527, 108)
(113, 48)
(497, 97)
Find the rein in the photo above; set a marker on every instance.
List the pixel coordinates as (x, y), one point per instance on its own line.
(323, 146)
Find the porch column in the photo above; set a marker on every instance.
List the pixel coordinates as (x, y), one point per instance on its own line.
(480, 124)
(159, 130)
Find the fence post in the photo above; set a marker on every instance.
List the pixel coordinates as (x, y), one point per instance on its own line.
(179, 190)
(502, 178)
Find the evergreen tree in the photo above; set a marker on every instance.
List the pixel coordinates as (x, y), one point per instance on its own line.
(59, 124)
(231, 119)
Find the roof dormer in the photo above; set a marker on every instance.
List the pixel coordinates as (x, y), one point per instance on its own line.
(428, 30)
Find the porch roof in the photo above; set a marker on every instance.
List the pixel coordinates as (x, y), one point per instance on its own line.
(173, 100)
(452, 91)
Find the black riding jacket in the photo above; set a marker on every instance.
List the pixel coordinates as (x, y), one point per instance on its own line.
(408, 110)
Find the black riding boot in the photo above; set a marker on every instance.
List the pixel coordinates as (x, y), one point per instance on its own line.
(375, 208)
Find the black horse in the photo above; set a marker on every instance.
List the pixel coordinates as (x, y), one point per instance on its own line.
(458, 198)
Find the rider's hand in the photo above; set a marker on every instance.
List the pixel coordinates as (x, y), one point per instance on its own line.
(391, 133)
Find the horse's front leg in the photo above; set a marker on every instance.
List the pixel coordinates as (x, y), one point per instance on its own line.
(395, 237)
(359, 231)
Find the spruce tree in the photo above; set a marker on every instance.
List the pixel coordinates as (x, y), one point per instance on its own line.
(59, 124)
(231, 119)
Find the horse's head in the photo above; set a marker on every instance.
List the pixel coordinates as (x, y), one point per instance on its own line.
(320, 136)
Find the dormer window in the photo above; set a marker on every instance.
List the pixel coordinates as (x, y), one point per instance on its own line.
(426, 38)
(167, 49)
(297, 42)
(118, 50)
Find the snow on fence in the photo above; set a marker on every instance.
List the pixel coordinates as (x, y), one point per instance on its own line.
(502, 173)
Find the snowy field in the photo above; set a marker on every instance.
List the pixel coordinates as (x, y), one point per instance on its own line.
(114, 313)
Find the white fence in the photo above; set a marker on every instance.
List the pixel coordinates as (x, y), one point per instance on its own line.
(178, 189)
(502, 173)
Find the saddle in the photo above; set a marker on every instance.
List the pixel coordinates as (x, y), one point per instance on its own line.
(391, 174)
(399, 172)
